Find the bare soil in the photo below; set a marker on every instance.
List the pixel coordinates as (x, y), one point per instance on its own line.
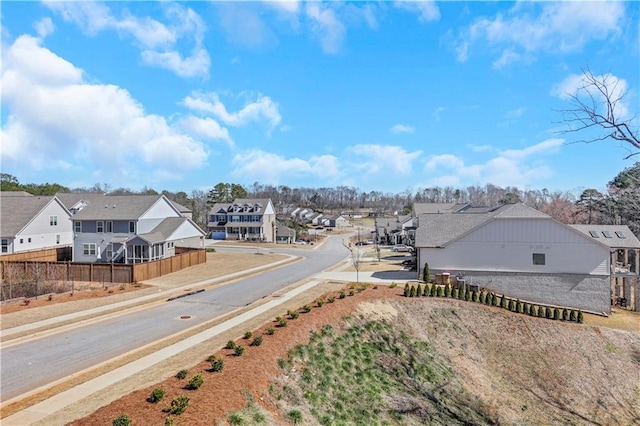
(525, 370)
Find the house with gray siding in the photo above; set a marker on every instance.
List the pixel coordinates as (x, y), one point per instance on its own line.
(243, 219)
(29, 222)
(518, 251)
(128, 228)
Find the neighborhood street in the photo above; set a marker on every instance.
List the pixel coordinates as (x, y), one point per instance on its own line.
(35, 363)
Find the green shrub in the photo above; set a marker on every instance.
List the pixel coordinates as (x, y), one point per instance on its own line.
(257, 341)
(393, 285)
(282, 322)
(122, 420)
(519, 306)
(236, 419)
(511, 305)
(331, 299)
(217, 364)
(426, 273)
(407, 290)
(580, 318)
(456, 293)
(503, 302)
(441, 291)
(319, 302)
(351, 292)
(549, 313)
(556, 314)
(412, 292)
(419, 290)
(271, 331)
(306, 308)
(532, 310)
(342, 295)
(179, 404)
(489, 299)
(238, 350)
(181, 374)
(494, 299)
(156, 396)
(195, 382)
(468, 295)
(447, 291)
(483, 297)
(433, 290)
(294, 314)
(295, 416)
(573, 316)
(230, 344)
(462, 293)
(248, 335)
(565, 315)
(474, 296)
(542, 312)
(168, 421)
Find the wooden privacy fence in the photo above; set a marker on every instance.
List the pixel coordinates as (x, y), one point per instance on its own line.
(56, 254)
(39, 276)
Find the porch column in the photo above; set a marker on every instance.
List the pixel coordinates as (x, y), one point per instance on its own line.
(637, 261)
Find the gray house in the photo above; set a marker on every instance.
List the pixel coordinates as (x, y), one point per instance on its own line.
(243, 219)
(519, 251)
(128, 228)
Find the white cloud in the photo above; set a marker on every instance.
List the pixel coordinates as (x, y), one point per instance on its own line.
(513, 167)
(206, 128)
(425, 9)
(576, 85)
(437, 113)
(373, 158)
(157, 41)
(261, 109)
(516, 113)
(326, 26)
(44, 27)
(529, 28)
(266, 167)
(401, 128)
(55, 119)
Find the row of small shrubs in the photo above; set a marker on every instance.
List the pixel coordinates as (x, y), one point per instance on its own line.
(487, 298)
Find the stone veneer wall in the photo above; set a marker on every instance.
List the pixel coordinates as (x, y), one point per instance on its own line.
(587, 292)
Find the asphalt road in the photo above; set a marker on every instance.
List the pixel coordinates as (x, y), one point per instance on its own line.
(35, 363)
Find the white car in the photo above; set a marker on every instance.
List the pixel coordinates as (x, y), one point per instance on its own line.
(401, 247)
(301, 242)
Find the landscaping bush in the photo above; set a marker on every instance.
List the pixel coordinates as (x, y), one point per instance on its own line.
(294, 314)
(238, 350)
(503, 302)
(282, 322)
(257, 341)
(412, 292)
(511, 305)
(168, 421)
(217, 364)
(306, 308)
(295, 416)
(419, 290)
(447, 291)
(179, 404)
(549, 313)
(556, 314)
(156, 396)
(407, 290)
(248, 335)
(468, 295)
(426, 273)
(319, 302)
(494, 299)
(331, 299)
(230, 344)
(441, 291)
(532, 310)
(393, 285)
(195, 382)
(542, 312)
(519, 308)
(483, 297)
(342, 295)
(271, 331)
(565, 315)
(461, 293)
(351, 292)
(433, 290)
(456, 293)
(580, 318)
(122, 420)
(181, 374)
(474, 296)
(573, 316)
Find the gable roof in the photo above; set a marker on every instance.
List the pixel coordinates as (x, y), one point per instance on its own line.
(423, 208)
(113, 207)
(438, 230)
(17, 211)
(15, 194)
(165, 229)
(241, 202)
(628, 239)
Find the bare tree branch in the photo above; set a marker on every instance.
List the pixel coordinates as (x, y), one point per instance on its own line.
(597, 103)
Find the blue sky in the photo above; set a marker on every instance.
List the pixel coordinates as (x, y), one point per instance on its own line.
(383, 96)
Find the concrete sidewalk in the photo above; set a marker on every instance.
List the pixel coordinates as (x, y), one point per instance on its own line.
(380, 277)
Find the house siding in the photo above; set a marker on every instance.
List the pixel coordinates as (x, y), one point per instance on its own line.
(42, 234)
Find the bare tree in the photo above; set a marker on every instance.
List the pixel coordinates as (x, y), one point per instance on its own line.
(597, 103)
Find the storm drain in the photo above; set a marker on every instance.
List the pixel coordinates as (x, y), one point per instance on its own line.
(185, 317)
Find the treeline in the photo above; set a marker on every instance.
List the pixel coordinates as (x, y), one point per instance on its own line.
(620, 204)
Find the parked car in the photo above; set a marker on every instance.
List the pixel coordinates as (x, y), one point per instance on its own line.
(401, 247)
(301, 242)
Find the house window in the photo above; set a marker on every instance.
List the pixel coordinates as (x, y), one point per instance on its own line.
(29, 239)
(57, 238)
(77, 227)
(607, 234)
(132, 227)
(53, 220)
(21, 240)
(89, 249)
(539, 258)
(109, 226)
(110, 252)
(99, 226)
(5, 246)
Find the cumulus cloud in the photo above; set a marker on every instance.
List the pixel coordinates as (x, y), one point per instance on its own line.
(326, 26)
(513, 167)
(401, 128)
(260, 109)
(206, 128)
(156, 40)
(425, 9)
(104, 131)
(261, 166)
(374, 158)
(527, 29)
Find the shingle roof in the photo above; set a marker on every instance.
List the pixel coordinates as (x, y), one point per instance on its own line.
(262, 202)
(437, 230)
(114, 207)
(17, 212)
(629, 240)
(422, 208)
(163, 230)
(15, 194)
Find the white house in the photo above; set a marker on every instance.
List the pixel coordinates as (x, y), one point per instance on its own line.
(33, 223)
(519, 251)
(243, 219)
